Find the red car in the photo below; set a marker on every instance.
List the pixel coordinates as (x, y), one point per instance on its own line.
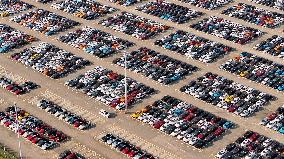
(158, 124)
(250, 147)
(71, 156)
(31, 137)
(35, 140)
(21, 131)
(219, 131)
(232, 109)
(272, 116)
(133, 152)
(18, 92)
(77, 124)
(189, 117)
(115, 102)
(112, 75)
(192, 110)
(42, 131)
(201, 136)
(215, 120)
(7, 123)
(253, 137)
(10, 87)
(126, 150)
(134, 93)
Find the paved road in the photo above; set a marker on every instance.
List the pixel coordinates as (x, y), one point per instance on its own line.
(154, 141)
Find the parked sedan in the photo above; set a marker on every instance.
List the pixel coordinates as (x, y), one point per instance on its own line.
(258, 69)
(156, 66)
(255, 15)
(227, 94)
(12, 38)
(108, 87)
(87, 9)
(169, 11)
(63, 114)
(95, 42)
(184, 121)
(134, 25)
(50, 60)
(10, 7)
(248, 146)
(125, 147)
(45, 22)
(228, 30)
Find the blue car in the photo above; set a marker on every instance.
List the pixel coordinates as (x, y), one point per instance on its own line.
(175, 77)
(50, 32)
(178, 112)
(281, 88)
(228, 125)
(168, 46)
(279, 72)
(217, 94)
(4, 48)
(244, 54)
(90, 50)
(281, 130)
(175, 36)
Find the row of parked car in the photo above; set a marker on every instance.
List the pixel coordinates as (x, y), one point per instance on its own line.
(95, 42)
(31, 128)
(273, 46)
(45, 22)
(275, 120)
(68, 154)
(252, 145)
(257, 69)
(50, 60)
(126, 2)
(278, 4)
(44, 1)
(86, 9)
(255, 15)
(17, 88)
(228, 30)
(63, 114)
(188, 123)
(125, 147)
(193, 46)
(156, 66)
(10, 7)
(169, 11)
(134, 25)
(208, 4)
(109, 87)
(11, 38)
(226, 94)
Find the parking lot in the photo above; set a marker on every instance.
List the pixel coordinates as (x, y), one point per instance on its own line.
(164, 55)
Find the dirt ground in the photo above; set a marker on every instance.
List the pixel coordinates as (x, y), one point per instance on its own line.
(164, 146)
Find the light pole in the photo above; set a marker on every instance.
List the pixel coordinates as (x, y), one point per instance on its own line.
(17, 123)
(125, 81)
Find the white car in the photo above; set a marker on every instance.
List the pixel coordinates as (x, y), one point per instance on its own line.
(181, 136)
(267, 142)
(193, 141)
(221, 153)
(245, 142)
(47, 145)
(175, 132)
(187, 138)
(251, 156)
(104, 113)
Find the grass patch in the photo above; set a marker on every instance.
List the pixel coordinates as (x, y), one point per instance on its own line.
(7, 154)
